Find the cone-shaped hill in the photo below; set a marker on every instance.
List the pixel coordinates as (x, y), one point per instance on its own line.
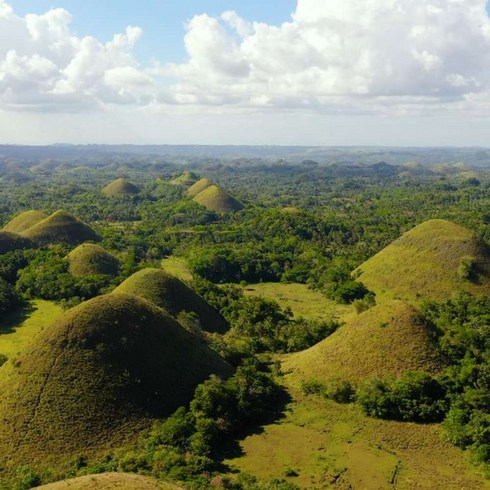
(187, 178)
(110, 481)
(198, 187)
(90, 259)
(24, 221)
(12, 241)
(427, 262)
(61, 227)
(174, 296)
(215, 199)
(384, 341)
(98, 376)
(120, 187)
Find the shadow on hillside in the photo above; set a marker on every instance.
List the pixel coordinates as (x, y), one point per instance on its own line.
(231, 449)
(12, 320)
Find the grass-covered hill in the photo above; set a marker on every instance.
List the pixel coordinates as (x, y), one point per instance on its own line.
(432, 261)
(174, 296)
(12, 241)
(385, 341)
(187, 178)
(61, 227)
(120, 187)
(90, 259)
(110, 481)
(24, 221)
(96, 377)
(215, 199)
(198, 187)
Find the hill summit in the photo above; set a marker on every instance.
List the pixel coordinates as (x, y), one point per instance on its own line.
(431, 261)
(24, 221)
(199, 186)
(61, 227)
(120, 187)
(215, 199)
(90, 259)
(97, 377)
(174, 296)
(384, 341)
(187, 178)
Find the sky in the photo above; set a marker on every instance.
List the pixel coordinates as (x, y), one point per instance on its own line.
(287, 72)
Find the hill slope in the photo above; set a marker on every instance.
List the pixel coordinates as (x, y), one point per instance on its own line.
(90, 259)
(171, 294)
(24, 221)
(216, 199)
(198, 187)
(61, 227)
(96, 377)
(12, 241)
(384, 341)
(424, 263)
(120, 187)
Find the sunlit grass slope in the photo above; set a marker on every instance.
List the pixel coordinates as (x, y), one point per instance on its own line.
(110, 481)
(216, 199)
(425, 262)
(96, 377)
(187, 178)
(171, 294)
(120, 187)
(91, 259)
(18, 329)
(10, 241)
(177, 266)
(199, 186)
(24, 221)
(61, 227)
(384, 341)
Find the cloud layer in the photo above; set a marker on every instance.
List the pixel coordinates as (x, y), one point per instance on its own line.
(336, 56)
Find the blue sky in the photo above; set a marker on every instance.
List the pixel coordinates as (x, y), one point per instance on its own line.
(162, 21)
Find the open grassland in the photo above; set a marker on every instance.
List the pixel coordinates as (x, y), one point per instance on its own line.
(18, 329)
(110, 481)
(335, 446)
(303, 301)
(178, 267)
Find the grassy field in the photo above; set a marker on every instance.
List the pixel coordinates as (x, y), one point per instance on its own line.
(303, 301)
(335, 446)
(177, 266)
(17, 330)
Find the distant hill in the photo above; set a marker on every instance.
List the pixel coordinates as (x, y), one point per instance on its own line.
(384, 341)
(97, 377)
(24, 221)
(216, 199)
(61, 227)
(427, 262)
(120, 187)
(91, 259)
(187, 178)
(110, 481)
(12, 241)
(198, 187)
(174, 296)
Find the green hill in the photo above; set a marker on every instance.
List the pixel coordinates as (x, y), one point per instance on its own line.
(198, 187)
(384, 341)
(97, 377)
(120, 187)
(187, 178)
(12, 241)
(110, 481)
(61, 227)
(216, 199)
(428, 262)
(24, 221)
(174, 296)
(89, 259)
